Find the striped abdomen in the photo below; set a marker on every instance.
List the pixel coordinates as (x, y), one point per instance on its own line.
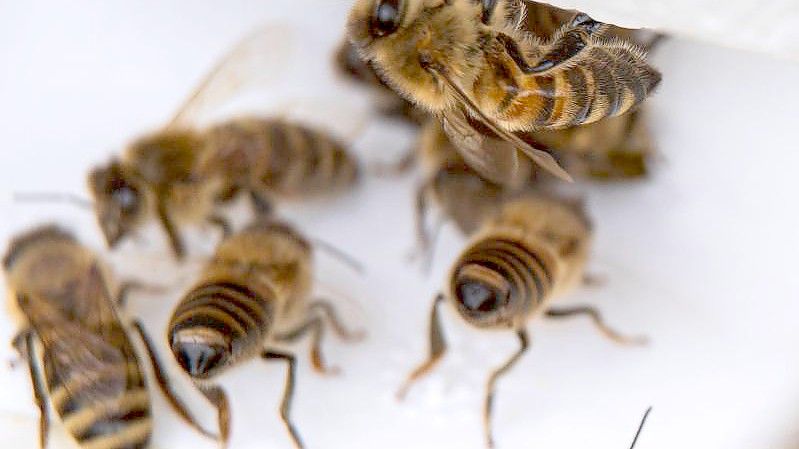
(103, 408)
(497, 280)
(601, 81)
(303, 161)
(219, 321)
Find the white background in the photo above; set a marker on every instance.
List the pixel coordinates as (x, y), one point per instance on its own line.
(701, 256)
(768, 26)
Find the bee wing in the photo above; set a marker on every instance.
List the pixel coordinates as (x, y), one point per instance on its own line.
(499, 165)
(540, 157)
(85, 364)
(257, 59)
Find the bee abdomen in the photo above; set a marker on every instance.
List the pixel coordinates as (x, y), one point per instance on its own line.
(226, 307)
(96, 413)
(522, 268)
(328, 165)
(607, 82)
(307, 161)
(116, 423)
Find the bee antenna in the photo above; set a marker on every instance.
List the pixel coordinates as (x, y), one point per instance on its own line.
(53, 197)
(430, 252)
(339, 254)
(640, 427)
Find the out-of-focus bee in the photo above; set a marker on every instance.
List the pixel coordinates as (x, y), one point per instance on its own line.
(468, 62)
(531, 252)
(616, 148)
(180, 173)
(252, 295)
(91, 374)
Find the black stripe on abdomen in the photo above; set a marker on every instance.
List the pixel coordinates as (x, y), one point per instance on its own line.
(230, 308)
(523, 269)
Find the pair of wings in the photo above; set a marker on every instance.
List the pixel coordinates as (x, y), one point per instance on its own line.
(498, 164)
(258, 58)
(261, 58)
(77, 357)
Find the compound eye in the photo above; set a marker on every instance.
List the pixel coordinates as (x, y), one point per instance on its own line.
(386, 18)
(127, 198)
(478, 297)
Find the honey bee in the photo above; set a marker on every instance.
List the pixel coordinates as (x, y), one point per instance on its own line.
(59, 291)
(253, 294)
(467, 62)
(531, 252)
(181, 173)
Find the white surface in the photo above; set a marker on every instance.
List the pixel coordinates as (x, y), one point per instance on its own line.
(770, 26)
(701, 257)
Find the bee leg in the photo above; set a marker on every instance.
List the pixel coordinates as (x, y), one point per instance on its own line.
(175, 241)
(288, 392)
(421, 211)
(24, 344)
(260, 203)
(492, 382)
(596, 318)
(217, 396)
(640, 427)
(338, 254)
(325, 307)
(222, 223)
(163, 382)
(128, 287)
(571, 42)
(316, 326)
(438, 346)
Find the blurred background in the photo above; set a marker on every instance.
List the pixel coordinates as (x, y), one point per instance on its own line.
(700, 256)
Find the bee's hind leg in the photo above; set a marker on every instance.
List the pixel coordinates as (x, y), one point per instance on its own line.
(163, 383)
(288, 392)
(24, 344)
(599, 323)
(438, 346)
(315, 326)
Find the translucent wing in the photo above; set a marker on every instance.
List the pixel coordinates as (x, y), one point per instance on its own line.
(87, 365)
(540, 157)
(499, 165)
(89, 368)
(256, 59)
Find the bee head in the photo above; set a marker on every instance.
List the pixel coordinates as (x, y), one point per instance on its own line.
(483, 296)
(406, 39)
(201, 352)
(119, 201)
